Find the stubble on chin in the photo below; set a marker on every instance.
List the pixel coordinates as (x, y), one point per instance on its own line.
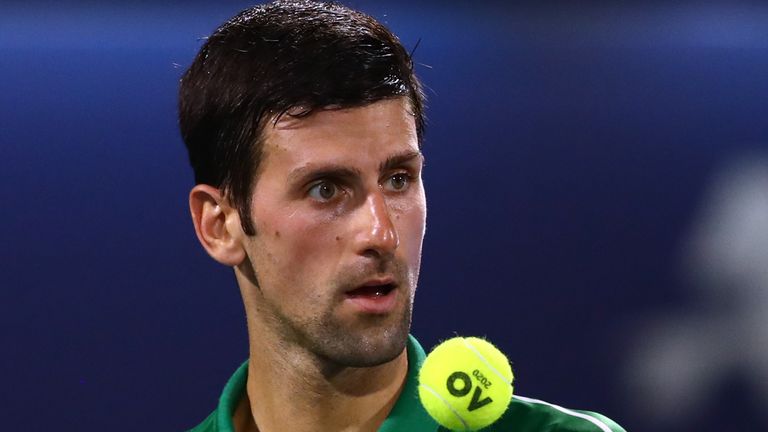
(373, 342)
(338, 342)
(365, 341)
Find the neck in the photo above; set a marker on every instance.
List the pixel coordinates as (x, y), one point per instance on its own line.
(290, 390)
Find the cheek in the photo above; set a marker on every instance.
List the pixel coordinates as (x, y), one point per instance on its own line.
(301, 242)
(411, 222)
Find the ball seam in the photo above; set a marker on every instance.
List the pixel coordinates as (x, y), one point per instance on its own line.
(483, 359)
(450, 407)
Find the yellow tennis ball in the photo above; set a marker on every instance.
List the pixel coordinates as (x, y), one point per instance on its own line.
(465, 384)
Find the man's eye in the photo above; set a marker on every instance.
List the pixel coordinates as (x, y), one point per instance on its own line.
(323, 191)
(398, 182)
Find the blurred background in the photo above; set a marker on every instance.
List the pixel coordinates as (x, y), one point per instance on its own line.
(597, 178)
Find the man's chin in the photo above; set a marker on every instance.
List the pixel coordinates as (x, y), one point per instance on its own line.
(368, 348)
(381, 354)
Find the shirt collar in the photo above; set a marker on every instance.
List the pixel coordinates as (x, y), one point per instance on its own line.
(407, 414)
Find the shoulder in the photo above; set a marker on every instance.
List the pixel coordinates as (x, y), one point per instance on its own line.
(529, 415)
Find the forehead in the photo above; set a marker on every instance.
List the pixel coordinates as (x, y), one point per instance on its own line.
(373, 130)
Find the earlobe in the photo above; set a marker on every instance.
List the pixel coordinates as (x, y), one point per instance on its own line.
(215, 225)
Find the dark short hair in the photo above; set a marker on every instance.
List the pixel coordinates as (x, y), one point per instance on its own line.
(283, 58)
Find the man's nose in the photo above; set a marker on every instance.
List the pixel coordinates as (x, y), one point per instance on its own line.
(377, 236)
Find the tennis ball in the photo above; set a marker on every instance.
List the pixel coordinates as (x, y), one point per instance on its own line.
(465, 384)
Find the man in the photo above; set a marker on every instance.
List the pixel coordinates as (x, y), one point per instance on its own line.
(303, 123)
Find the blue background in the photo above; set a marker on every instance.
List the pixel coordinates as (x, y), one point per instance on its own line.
(568, 149)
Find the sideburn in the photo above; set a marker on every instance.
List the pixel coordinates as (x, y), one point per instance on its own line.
(249, 271)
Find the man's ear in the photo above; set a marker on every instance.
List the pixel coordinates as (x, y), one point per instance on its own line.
(217, 225)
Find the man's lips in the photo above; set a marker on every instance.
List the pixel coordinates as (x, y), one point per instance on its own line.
(376, 288)
(378, 296)
(371, 291)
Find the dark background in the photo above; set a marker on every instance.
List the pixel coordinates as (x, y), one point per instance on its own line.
(568, 151)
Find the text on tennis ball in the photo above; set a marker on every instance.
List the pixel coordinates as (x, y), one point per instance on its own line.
(459, 384)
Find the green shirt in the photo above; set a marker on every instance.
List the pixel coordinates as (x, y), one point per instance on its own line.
(524, 414)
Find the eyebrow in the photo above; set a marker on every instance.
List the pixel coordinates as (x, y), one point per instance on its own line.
(326, 170)
(400, 160)
(311, 170)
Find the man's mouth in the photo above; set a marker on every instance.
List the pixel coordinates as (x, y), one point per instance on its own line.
(372, 290)
(378, 297)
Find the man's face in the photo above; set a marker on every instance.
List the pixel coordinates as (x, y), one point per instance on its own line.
(340, 212)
